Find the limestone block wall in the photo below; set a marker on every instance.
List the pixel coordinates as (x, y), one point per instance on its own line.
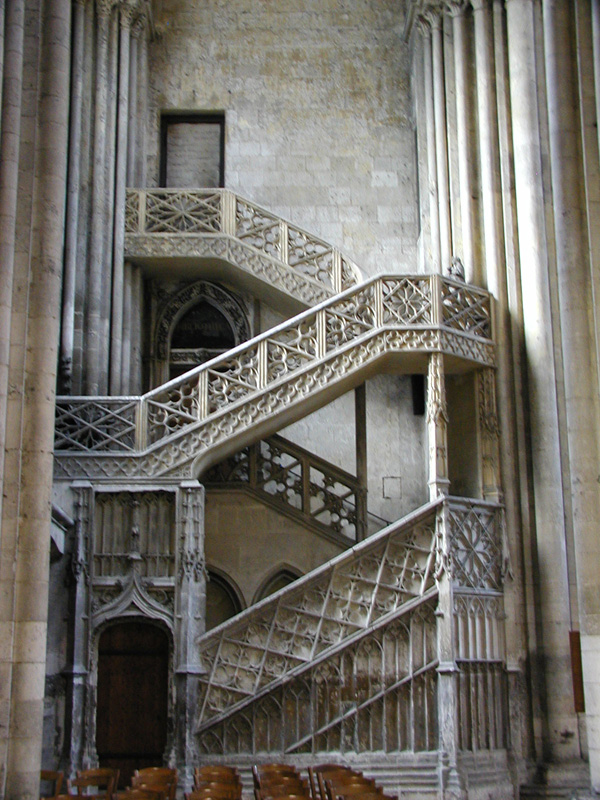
(316, 96)
(249, 542)
(396, 444)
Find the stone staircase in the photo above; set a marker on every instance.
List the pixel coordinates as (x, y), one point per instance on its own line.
(272, 380)
(363, 656)
(347, 659)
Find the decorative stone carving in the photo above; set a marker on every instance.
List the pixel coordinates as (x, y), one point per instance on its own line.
(132, 600)
(181, 214)
(366, 589)
(437, 424)
(190, 296)
(306, 485)
(209, 404)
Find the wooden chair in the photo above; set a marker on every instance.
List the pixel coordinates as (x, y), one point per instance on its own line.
(102, 778)
(228, 791)
(56, 778)
(162, 779)
(216, 769)
(140, 794)
(342, 783)
(283, 781)
(313, 772)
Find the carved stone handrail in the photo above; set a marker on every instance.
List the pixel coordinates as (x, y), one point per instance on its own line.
(216, 223)
(302, 645)
(265, 381)
(298, 481)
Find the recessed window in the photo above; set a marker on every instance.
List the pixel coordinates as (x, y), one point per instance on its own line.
(192, 150)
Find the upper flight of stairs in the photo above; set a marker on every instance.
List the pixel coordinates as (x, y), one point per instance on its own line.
(274, 379)
(208, 225)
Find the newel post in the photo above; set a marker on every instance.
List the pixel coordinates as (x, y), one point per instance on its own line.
(437, 425)
(450, 783)
(190, 617)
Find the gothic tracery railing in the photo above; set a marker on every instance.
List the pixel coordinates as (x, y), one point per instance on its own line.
(191, 221)
(258, 379)
(346, 658)
(299, 481)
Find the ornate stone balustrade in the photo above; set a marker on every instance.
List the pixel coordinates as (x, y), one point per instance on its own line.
(216, 223)
(262, 384)
(347, 658)
(299, 482)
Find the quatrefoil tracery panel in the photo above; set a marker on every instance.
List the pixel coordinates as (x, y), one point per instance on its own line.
(179, 211)
(321, 613)
(475, 545)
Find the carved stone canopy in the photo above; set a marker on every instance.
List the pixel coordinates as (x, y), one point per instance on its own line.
(192, 295)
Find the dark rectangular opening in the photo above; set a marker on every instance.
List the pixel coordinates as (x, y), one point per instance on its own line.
(192, 150)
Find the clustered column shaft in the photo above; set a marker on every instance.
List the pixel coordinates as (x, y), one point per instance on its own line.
(532, 97)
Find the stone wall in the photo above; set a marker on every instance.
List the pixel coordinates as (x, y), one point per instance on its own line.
(317, 112)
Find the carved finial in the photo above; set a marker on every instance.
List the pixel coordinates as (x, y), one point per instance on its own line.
(456, 269)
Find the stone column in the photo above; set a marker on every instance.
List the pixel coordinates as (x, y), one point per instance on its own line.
(434, 214)
(137, 299)
(126, 344)
(190, 623)
(93, 323)
(9, 180)
(465, 178)
(14, 12)
(72, 215)
(37, 433)
(132, 130)
(78, 669)
(596, 52)
(360, 439)
(578, 347)
(489, 436)
(116, 327)
(437, 427)
(141, 179)
(546, 557)
(441, 139)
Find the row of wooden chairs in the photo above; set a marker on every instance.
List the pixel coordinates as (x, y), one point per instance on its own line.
(151, 783)
(218, 782)
(104, 780)
(326, 782)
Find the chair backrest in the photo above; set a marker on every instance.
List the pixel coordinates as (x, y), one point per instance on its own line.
(338, 778)
(314, 771)
(56, 778)
(102, 778)
(365, 795)
(226, 790)
(140, 794)
(164, 790)
(157, 774)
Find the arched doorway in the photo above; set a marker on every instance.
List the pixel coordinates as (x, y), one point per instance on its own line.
(132, 699)
(202, 333)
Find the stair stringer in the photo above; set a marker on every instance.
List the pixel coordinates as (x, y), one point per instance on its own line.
(250, 392)
(318, 616)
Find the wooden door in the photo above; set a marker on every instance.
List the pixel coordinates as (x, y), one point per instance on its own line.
(132, 706)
